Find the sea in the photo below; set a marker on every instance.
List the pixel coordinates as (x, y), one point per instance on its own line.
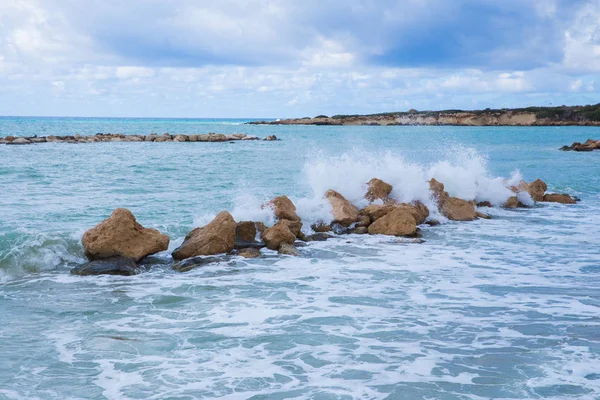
(506, 308)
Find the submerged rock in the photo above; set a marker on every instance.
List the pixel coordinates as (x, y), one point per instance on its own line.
(249, 253)
(121, 235)
(288, 249)
(483, 215)
(110, 266)
(589, 145)
(321, 227)
(317, 237)
(195, 262)
(559, 198)
(344, 212)
(378, 190)
(215, 238)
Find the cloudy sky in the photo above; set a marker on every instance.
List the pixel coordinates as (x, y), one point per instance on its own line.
(279, 58)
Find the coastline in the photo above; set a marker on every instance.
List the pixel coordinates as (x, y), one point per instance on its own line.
(531, 116)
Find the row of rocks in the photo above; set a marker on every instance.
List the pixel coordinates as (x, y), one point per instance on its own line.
(118, 244)
(589, 145)
(118, 137)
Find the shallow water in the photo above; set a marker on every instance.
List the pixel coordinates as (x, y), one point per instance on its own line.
(502, 308)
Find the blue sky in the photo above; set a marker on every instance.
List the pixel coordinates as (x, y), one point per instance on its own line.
(280, 58)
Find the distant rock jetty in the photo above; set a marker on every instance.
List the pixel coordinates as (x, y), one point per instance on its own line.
(119, 137)
(530, 116)
(119, 244)
(589, 145)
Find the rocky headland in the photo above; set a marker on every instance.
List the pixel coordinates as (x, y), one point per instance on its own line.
(119, 244)
(589, 145)
(119, 137)
(531, 116)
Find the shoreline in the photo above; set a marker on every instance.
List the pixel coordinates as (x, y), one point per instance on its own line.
(530, 116)
(119, 137)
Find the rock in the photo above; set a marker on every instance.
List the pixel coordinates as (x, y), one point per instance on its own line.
(457, 209)
(360, 230)
(378, 190)
(589, 145)
(287, 249)
(512, 202)
(160, 139)
(484, 204)
(363, 221)
(216, 137)
(245, 231)
(194, 262)
(294, 226)
(180, 138)
(283, 208)
(249, 253)
(437, 188)
(418, 210)
(271, 138)
(321, 227)
(376, 211)
(215, 238)
(344, 212)
(398, 222)
(260, 227)
(536, 189)
(278, 234)
(121, 235)
(483, 215)
(110, 266)
(559, 198)
(317, 237)
(193, 138)
(18, 141)
(433, 222)
(452, 208)
(9, 138)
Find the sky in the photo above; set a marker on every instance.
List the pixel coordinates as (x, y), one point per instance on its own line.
(294, 58)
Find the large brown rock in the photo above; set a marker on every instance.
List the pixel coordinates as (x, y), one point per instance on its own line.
(418, 210)
(344, 212)
(398, 222)
(283, 208)
(376, 211)
(215, 238)
(294, 226)
(122, 236)
(437, 188)
(537, 189)
(559, 198)
(245, 231)
(378, 190)
(512, 202)
(457, 209)
(278, 234)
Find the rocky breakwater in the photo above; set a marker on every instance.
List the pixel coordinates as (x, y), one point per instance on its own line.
(118, 244)
(118, 137)
(589, 145)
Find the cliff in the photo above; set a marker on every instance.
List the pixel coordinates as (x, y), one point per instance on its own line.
(530, 116)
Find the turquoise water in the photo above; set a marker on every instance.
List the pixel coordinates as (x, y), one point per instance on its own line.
(505, 308)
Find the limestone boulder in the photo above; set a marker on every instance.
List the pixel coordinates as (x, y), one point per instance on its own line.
(537, 189)
(378, 190)
(245, 232)
(215, 238)
(457, 209)
(344, 212)
(321, 227)
(278, 234)
(284, 208)
(180, 138)
(376, 211)
(512, 202)
(294, 226)
(437, 189)
(398, 222)
(418, 210)
(559, 198)
(122, 236)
